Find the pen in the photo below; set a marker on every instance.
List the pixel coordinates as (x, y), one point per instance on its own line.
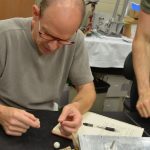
(96, 126)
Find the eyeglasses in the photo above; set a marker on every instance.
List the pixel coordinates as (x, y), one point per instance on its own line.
(49, 38)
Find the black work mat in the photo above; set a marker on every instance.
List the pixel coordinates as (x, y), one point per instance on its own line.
(35, 139)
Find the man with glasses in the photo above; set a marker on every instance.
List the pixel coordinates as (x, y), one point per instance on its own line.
(37, 56)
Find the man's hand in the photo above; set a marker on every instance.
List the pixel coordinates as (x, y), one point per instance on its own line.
(15, 121)
(70, 119)
(143, 105)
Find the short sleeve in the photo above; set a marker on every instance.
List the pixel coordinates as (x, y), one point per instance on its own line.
(80, 71)
(3, 52)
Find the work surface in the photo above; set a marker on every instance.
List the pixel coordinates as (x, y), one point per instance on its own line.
(42, 139)
(35, 139)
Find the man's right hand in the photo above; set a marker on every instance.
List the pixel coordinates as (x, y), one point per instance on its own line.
(15, 121)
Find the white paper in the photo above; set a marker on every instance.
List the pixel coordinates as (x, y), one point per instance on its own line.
(122, 128)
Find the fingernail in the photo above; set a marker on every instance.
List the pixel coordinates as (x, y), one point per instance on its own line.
(38, 123)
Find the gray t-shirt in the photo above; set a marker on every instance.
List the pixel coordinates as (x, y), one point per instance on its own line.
(33, 81)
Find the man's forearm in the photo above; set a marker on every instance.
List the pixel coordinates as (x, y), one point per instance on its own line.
(141, 59)
(141, 52)
(85, 98)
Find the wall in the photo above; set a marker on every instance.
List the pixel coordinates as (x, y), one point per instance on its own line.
(15, 8)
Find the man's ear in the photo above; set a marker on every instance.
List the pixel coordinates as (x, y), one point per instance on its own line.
(35, 12)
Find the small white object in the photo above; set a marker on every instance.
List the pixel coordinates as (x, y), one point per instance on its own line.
(56, 145)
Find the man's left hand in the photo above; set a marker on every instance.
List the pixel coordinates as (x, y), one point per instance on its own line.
(70, 119)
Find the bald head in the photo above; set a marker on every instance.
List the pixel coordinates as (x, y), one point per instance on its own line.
(70, 3)
(59, 20)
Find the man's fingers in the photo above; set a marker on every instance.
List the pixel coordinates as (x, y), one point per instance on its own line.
(67, 130)
(64, 132)
(146, 110)
(70, 120)
(30, 122)
(68, 127)
(17, 129)
(28, 119)
(71, 124)
(63, 115)
(19, 124)
(144, 113)
(141, 109)
(147, 107)
(13, 133)
(138, 107)
(29, 115)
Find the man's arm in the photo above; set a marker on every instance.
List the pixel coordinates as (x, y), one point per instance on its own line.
(85, 97)
(141, 62)
(71, 116)
(15, 121)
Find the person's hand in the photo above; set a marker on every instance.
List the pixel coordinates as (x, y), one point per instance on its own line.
(70, 119)
(15, 121)
(143, 105)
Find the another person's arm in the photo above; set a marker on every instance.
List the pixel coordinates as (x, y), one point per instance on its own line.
(71, 116)
(15, 121)
(141, 62)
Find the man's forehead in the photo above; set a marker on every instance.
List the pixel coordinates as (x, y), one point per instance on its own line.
(67, 4)
(59, 11)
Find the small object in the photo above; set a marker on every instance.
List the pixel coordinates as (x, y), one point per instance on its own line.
(108, 128)
(89, 34)
(38, 121)
(105, 128)
(56, 145)
(112, 145)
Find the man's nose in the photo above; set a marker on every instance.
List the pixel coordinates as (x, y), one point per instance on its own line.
(53, 45)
